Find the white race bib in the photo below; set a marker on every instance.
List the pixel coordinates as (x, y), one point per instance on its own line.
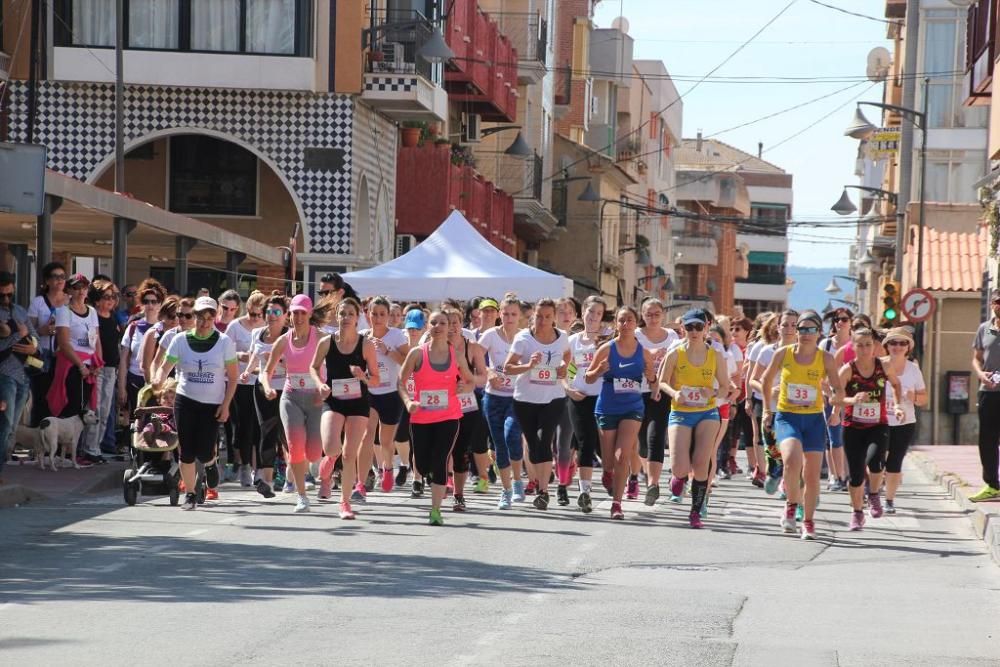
(695, 397)
(301, 382)
(802, 394)
(434, 399)
(468, 402)
(383, 377)
(627, 386)
(410, 388)
(867, 413)
(583, 360)
(345, 389)
(506, 381)
(543, 375)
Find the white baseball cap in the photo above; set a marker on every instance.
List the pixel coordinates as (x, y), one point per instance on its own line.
(205, 303)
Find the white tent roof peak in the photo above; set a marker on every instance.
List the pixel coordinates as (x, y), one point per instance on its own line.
(457, 262)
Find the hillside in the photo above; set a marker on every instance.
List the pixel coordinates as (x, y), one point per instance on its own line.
(809, 284)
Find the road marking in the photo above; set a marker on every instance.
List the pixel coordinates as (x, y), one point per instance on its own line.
(199, 531)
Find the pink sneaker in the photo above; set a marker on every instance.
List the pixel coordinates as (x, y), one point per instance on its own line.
(616, 511)
(857, 520)
(607, 478)
(695, 520)
(875, 505)
(388, 482)
(325, 486)
(676, 486)
(808, 530)
(345, 511)
(632, 490)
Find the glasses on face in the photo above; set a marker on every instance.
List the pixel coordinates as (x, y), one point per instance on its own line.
(150, 302)
(79, 286)
(228, 309)
(109, 297)
(996, 303)
(130, 293)
(901, 343)
(254, 315)
(694, 326)
(185, 316)
(325, 292)
(275, 312)
(841, 319)
(808, 331)
(57, 276)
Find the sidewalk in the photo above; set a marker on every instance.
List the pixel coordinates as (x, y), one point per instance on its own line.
(26, 483)
(957, 469)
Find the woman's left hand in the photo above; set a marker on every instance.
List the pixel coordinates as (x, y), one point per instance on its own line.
(222, 414)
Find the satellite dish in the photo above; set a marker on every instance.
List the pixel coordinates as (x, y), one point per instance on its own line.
(879, 61)
(621, 24)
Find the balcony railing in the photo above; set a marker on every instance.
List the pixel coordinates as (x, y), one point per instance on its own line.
(397, 36)
(4, 66)
(981, 39)
(483, 75)
(528, 34)
(759, 278)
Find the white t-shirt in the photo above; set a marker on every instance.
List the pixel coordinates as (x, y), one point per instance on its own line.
(910, 380)
(168, 336)
(132, 341)
(764, 356)
(666, 344)
(83, 330)
(583, 353)
(40, 311)
(240, 336)
(388, 369)
(540, 384)
(497, 350)
(201, 376)
(263, 352)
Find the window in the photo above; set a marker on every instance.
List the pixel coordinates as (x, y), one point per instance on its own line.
(211, 177)
(154, 24)
(215, 25)
(951, 176)
(267, 32)
(944, 56)
(94, 22)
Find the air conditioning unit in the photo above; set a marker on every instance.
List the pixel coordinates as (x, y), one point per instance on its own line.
(405, 243)
(471, 128)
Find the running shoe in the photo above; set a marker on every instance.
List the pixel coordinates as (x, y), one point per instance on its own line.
(83, 462)
(211, 494)
(370, 480)
(809, 530)
(800, 513)
(722, 474)
(541, 501)
(279, 480)
(387, 482)
(750, 474)
(632, 489)
(788, 518)
(652, 495)
(875, 505)
(703, 512)
(345, 511)
(436, 518)
(734, 467)
(310, 482)
(482, 486)
(491, 474)
(289, 486)
(832, 484)
(264, 489)
(759, 479)
(584, 502)
(676, 499)
(694, 519)
(360, 494)
(985, 493)
(190, 502)
(771, 485)
(616, 512)
(890, 506)
(246, 476)
(325, 489)
(505, 499)
(857, 520)
(458, 504)
(229, 473)
(562, 495)
(302, 505)
(529, 490)
(607, 478)
(401, 475)
(676, 487)
(418, 489)
(518, 491)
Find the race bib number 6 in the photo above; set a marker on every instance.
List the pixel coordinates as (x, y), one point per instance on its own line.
(301, 381)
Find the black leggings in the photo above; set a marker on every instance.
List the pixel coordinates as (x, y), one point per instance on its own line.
(740, 428)
(77, 394)
(246, 429)
(538, 423)
(471, 440)
(585, 427)
(900, 438)
(432, 445)
(989, 436)
(653, 432)
(197, 429)
(269, 428)
(865, 448)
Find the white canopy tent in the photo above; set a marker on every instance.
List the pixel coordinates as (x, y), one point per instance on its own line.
(457, 262)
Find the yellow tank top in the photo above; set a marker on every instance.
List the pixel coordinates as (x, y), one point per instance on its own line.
(800, 385)
(696, 383)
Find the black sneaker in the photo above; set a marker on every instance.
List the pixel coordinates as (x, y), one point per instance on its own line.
(401, 476)
(583, 500)
(190, 502)
(459, 504)
(541, 501)
(492, 474)
(264, 489)
(652, 495)
(562, 495)
(418, 489)
(370, 480)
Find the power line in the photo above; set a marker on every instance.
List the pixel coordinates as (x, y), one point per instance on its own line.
(850, 13)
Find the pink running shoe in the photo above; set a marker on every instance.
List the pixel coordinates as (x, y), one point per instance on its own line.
(388, 482)
(875, 505)
(325, 486)
(632, 490)
(857, 520)
(676, 486)
(345, 511)
(616, 512)
(808, 530)
(695, 520)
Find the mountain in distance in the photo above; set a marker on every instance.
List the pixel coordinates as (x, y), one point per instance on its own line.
(807, 292)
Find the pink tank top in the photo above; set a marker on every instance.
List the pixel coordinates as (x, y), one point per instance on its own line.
(298, 360)
(439, 389)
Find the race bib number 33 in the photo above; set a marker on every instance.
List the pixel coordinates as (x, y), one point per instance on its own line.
(802, 394)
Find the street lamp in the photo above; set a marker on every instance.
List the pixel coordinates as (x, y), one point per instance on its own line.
(845, 206)
(833, 287)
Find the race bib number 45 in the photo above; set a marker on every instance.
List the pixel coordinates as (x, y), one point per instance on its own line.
(695, 397)
(543, 375)
(802, 394)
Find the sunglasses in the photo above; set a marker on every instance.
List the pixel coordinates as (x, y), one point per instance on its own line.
(808, 331)
(228, 308)
(275, 312)
(109, 297)
(898, 343)
(255, 315)
(325, 292)
(841, 319)
(150, 302)
(185, 316)
(696, 326)
(205, 315)
(57, 276)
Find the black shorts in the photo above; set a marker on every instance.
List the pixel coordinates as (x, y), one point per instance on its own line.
(354, 407)
(197, 429)
(388, 406)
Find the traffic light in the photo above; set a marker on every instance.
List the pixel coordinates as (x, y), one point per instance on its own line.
(890, 304)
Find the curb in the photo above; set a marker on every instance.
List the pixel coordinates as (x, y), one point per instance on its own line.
(984, 522)
(15, 494)
(105, 480)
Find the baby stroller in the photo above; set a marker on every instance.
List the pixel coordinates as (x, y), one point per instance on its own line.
(153, 468)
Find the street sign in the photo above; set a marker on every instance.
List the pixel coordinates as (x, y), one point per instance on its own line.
(918, 305)
(884, 143)
(22, 178)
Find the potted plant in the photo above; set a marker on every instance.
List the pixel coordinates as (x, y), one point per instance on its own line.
(434, 131)
(442, 143)
(410, 132)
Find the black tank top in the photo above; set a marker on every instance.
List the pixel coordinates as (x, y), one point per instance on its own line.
(338, 364)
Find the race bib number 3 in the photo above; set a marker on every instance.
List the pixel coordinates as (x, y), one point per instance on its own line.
(627, 386)
(867, 413)
(345, 389)
(436, 399)
(543, 375)
(468, 402)
(802, 394)
(695, 397)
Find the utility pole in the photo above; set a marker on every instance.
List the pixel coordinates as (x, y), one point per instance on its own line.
(121, 227)
(910, 69)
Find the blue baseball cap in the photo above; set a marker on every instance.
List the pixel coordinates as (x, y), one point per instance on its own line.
(415, 320)
(692, 316)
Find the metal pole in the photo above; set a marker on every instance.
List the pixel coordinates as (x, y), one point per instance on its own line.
(43, 233)
(36, 21)
(910, 67)
(121, 227)
(923, 198)
(600, 249)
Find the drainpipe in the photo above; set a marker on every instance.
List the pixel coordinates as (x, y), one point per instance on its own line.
(910, 67)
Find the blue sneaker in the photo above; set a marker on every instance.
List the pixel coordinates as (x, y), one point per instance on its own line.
(505, 500)
(800, 513)
(289, 486)
(704, 508)
(771, 485)
(310, 482)
(518, 491)
(676, 499)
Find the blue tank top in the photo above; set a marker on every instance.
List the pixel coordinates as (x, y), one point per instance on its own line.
(621, 392)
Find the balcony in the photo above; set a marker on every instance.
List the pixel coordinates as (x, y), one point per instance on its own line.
(397, 81)
(533, 220)
(429, 187)
(4, 66)
(980, 52)
(696, 250)
(482, 77)
(528, 34)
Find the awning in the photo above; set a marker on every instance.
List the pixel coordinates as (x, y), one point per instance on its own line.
(767, 258)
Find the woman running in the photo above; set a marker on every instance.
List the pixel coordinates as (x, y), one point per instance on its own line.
(301, 406)
(657, 339)
(582, 396)
(741, 426)
(538, 359)
(800, 423)
(414, 324)
(471, 440)
(207, 372)
(351, 364)
(866, 423)
(785, 325)
(839, 337)
(623, 364)
(498, 403)
(433, 406)
(899, 342)
(694, 374)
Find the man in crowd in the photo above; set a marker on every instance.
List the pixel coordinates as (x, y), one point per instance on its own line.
(17, 341)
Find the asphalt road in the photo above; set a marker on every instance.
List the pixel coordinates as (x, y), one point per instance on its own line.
(243, 581)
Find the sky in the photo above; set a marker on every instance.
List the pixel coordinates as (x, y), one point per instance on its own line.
(692, 37)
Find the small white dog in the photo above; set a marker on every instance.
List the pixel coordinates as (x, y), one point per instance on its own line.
(52, 432)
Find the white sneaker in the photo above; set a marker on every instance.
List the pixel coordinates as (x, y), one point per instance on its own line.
(302, 505)
(246, 476)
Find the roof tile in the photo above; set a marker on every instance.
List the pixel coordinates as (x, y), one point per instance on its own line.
(953, 261)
